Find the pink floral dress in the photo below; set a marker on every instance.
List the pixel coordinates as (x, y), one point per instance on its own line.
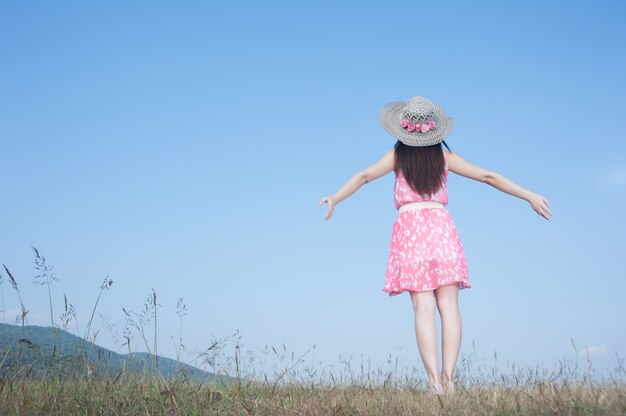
(425, 250)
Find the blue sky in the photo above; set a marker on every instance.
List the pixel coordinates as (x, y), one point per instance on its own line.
(184, 147)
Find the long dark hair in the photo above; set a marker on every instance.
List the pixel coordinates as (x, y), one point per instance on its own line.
(423, 167)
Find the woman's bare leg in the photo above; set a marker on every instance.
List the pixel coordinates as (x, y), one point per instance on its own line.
(424, 304)
(447, 303)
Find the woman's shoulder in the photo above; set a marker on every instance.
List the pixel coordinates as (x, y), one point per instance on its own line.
(448, 155)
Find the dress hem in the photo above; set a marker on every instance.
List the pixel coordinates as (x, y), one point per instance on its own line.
(462, 285)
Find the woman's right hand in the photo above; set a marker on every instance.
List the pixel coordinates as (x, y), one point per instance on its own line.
(331, 206)
(540, 204)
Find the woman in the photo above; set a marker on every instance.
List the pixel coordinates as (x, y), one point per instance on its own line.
(426, 257)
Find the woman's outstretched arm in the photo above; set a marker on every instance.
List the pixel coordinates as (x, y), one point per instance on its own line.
(375, 171)
(462, 167)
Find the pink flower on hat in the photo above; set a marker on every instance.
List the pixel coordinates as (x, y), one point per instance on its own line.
(418, 127)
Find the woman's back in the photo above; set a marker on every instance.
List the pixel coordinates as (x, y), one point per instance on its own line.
(404, 194)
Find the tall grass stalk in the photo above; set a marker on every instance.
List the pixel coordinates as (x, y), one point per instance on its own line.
(4, 315)
(23, 312)
(128, 336)
(45, 277)
(106, 285)
(139, 321)
(181, 311)
(154, 305)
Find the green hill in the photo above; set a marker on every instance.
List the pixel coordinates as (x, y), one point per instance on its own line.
(32, 350)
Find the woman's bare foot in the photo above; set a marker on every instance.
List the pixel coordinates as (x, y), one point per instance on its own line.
(435, 389)
(447, 384)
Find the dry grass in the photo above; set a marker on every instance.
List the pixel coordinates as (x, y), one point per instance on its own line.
(130, 396)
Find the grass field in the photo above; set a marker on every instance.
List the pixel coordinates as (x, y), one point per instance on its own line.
(295, 388)
(129, 395)
(56, 378)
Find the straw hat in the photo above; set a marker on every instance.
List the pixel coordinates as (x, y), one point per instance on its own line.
(417, 122)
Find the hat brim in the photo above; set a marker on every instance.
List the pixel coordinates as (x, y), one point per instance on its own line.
(390, 116)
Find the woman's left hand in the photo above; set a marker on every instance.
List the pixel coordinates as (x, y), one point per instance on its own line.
(540, 205)
(331, 206)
